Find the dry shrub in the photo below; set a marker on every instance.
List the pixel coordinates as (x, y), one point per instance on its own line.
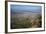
(37, 22)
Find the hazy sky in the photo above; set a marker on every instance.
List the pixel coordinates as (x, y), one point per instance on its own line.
(25, 8)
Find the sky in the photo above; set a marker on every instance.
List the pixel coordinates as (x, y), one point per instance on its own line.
(25, 8)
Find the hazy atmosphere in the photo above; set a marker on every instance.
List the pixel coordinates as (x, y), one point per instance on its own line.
(25, 16)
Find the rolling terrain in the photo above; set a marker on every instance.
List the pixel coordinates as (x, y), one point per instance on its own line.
(25, 20)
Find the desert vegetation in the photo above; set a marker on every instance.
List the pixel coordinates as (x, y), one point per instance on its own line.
(26, 22)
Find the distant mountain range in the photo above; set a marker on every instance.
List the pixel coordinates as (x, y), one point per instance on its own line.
(24, 12)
